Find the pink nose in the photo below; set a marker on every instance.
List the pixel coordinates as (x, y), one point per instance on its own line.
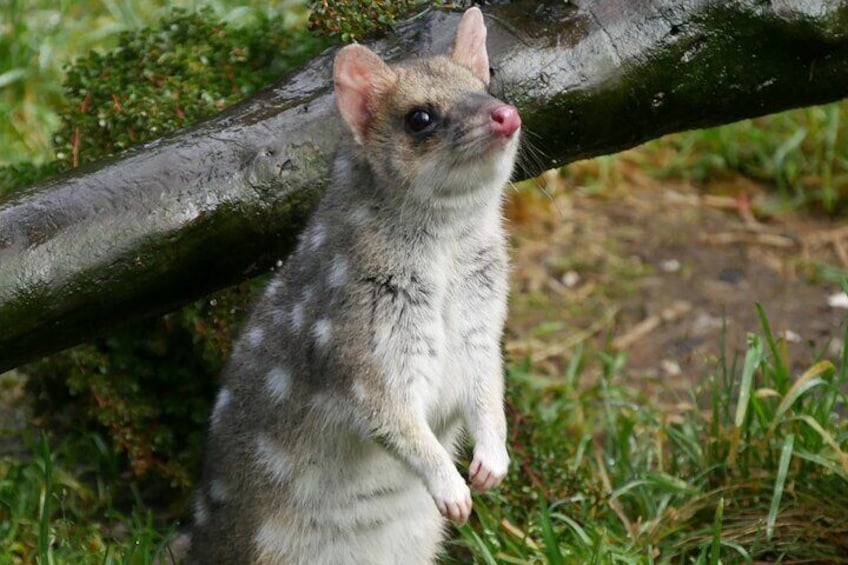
(505, 120)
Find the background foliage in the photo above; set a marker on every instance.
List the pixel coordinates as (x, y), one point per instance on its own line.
(147, 388)
(39, 38)
(126, 414)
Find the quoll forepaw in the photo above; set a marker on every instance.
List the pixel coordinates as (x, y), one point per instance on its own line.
(489, 467)
(453, 498)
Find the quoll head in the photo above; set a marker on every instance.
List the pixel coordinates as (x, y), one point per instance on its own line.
(429, 127)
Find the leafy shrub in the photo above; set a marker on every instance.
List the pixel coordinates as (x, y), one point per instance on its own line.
(147, 387)
(351, 19)
(161, 79)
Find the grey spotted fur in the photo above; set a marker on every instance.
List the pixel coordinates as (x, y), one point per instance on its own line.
(333, 436)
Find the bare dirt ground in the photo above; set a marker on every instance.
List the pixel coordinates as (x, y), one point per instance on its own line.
(659, 270)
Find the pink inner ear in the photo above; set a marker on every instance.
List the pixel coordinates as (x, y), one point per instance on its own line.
(469, 48)
(357, 74)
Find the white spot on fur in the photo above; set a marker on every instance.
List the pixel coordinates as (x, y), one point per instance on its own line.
(273, 287)
(298, 312)
(359, 391)
(225, 396)
(317, 236)
(322, 331)
(338, 272)
(297, 316)
(255, 336)
(308, 487)
(360, 216)
(273, 540)
(278, 383)
(273, 460)
(201, 513)
(218, 491)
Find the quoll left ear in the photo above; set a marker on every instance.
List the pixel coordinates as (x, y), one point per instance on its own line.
(359, 76)
(469, 48)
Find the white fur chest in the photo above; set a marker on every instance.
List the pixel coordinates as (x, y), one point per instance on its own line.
(466, 321)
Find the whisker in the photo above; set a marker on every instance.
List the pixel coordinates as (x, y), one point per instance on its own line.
(536, 161)
(532, 159)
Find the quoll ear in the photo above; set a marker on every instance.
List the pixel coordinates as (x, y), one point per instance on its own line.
(469, 48)
(359, 76)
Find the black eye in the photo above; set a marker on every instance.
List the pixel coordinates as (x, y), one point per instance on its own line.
(419, 119)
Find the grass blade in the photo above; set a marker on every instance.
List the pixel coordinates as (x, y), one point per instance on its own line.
(473, 539)
(809, 380)
(551, 540)
(44, 554)
(753, 358)
(781, 373)
(843, 362)
(779, 483)
(828, 439)
(12, 75)
(577, 529)
(715, 549)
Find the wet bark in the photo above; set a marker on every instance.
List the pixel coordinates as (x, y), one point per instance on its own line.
(165, 223)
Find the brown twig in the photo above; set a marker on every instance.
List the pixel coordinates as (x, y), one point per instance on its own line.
(649, 324)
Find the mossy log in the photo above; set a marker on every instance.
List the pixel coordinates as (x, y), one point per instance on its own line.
(160, 225)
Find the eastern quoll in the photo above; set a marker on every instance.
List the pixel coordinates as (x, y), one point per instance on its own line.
(333, 435)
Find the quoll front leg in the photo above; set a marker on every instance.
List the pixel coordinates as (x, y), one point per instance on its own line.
(480, 314)
(405, 431)
(397, 422)
(485, 414)
(486, 419)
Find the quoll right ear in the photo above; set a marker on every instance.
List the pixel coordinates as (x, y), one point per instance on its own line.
(469, 48)
(360, 76)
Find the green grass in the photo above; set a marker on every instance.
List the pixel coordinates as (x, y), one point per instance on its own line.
(802, 154)
(600, 476)
(759, 473)
(53, 510)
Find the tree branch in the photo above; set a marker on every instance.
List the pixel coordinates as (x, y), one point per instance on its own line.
(166, 223)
